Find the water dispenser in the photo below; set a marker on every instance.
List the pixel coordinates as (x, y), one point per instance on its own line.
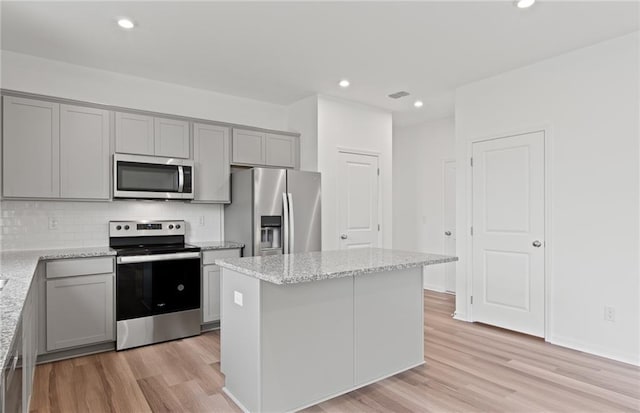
(270, 235)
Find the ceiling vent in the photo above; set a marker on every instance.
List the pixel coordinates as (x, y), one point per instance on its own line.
(399, 95)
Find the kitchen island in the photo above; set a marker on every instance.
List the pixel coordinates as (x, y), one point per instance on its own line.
(301, 328)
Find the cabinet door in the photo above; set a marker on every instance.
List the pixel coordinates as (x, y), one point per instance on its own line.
(30, 148)
(171, 138)
(30, 344)
(134, 134)
(84, 152)
(79, 311)
(211, 158)
(281, 150)
(210, 293)
(248, 147)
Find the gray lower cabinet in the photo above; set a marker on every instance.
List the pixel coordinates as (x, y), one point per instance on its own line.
(211, 283)
(84, 152)
(17, 378)
(210, 293)
(212, 167)
(147, 135)
(80, 307)
(30, 148)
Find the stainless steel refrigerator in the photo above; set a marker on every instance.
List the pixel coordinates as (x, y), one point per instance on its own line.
(274, 211)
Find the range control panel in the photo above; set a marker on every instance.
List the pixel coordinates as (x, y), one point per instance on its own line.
(145, 228)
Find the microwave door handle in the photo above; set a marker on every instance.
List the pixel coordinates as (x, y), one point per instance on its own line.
(180, 178)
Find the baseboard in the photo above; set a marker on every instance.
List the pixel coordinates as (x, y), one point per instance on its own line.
(338, 394)
(633, 359)
(435, 288)
(235, 400)
(76, 352)
(460, 316)
(214, 325)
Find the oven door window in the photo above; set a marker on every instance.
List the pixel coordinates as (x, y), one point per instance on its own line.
(143, 177)
(151, 288)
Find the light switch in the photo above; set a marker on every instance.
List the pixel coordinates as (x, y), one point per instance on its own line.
(237, 298)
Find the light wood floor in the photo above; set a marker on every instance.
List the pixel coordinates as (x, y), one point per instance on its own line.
(469, 367)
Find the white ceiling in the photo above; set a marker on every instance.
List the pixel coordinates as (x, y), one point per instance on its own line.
(282, 52)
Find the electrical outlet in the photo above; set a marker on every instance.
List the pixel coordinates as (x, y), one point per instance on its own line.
(609, 313)
(202, 220)
(53, 223)
(237, 298)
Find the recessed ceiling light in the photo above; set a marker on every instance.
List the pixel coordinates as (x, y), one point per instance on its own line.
(418, 103)
(125, 23)
(523, 4)
(344, 83)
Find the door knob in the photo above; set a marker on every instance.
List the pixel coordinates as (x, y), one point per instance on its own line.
(447, 233)
(537, 244)
(343, 236)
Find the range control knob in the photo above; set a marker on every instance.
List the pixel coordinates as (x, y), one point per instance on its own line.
(170, 226)
(126, 227)
(177, 226)
(118, 227)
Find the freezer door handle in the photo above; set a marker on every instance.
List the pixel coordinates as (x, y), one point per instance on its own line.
(292, 239)
(285, 232)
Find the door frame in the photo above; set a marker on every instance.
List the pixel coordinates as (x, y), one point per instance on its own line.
(341, 149)
(547, 130)
(445, 162)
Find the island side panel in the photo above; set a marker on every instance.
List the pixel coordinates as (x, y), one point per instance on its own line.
(240, 338)
(389, 329)
(307, 342)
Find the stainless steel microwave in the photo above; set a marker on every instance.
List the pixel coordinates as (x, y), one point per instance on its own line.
(152, 177)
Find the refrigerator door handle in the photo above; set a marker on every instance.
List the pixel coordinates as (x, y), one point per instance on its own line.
(285, 232)
(291, 225)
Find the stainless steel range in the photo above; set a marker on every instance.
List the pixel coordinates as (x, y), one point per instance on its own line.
(157, 282)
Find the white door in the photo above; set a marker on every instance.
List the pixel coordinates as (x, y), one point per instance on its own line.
(449, 221)
(358, 200)
(508, 233)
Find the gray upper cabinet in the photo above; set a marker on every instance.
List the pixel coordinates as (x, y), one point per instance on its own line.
(268, 149)
(171, 138)
(84, 152)
(146, 135)
(281, 150)
(134, 134)
(30, 148)
(211, 158)
(248, 147)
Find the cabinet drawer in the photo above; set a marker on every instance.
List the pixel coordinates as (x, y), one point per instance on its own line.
(81, 266)
(208, 257)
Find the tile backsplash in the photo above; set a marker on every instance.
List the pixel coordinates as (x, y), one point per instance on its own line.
(57, 224)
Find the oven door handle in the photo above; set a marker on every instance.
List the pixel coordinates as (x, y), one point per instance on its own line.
(134, 259)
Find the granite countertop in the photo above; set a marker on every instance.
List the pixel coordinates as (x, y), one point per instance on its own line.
(315, 266)
(217, 245)
(19, 267)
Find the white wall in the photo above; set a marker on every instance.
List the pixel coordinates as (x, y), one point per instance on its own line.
(25, 224)
(589, 99)
(418, 155)
(49, 77)
(347, 125)
(302, 117)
